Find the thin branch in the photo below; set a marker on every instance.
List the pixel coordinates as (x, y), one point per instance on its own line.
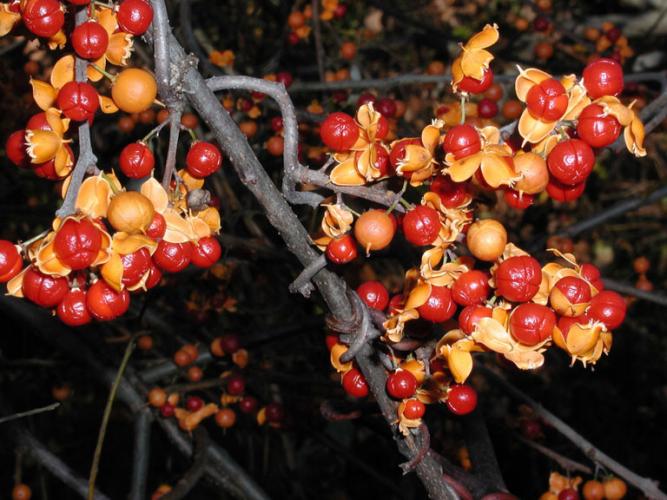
(105, 418)
(54, 465)
(172, 148)
(196, 470)
(565, 463)
(646, 485)
(482, 454)
(87, 159)
(28, 413)
(141, 455)
(655, 297)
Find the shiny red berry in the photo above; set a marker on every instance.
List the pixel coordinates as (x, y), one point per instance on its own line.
(77, 243)
(235, 385)
(136, 160)
(342, 249)
(380, 160)
(15, 149)
(471, 288)
(355, 384)
(518, 200)
(90, 40)
(248, 404)
(397, 153)
(72, 310)
(452, 194)
(374, 294)
(547, 100)
(43, 17)
(167, 410)
(275, 413)
(78, 101)
(461, 399)
(518, 278)
(414, 409)
(571, 161)
(597, 128)
(206, 252)
(401, 384)
(470, 317)
(421, 225)
(157, 227)
(135, 266)
(474, 86)
(154, 277)
(203, 158)
(194, 403)
(487, 108)
(609, 308)
(592, 274)
(42, 289)
(339, 131)
(603, 77)
(135, 16)
(386, 106)
(172, 257)
(462, 141)
(563, 192)
(531, 323)
(104, 303)
(10, 261)
(439, 306)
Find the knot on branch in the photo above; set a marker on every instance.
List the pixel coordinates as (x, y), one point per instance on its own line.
(359, 323)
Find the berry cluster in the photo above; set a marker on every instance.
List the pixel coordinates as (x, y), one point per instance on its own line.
(115, 241)
(507, 302)
(567, 488)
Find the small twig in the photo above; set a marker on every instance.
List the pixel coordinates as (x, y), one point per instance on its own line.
(565, 463)
(172, 149)
(656, 297)
(333, 415)
(28, 413)
(105, 418)
(303, 284)
(420, 453)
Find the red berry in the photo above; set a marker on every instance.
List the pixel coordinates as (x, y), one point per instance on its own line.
(487, 108)
(355, 384)
(571, 161)
(72, 310)
(43, 17)
(194, 403)
(230, 343)
(592, 274)
(397, 153)
(374, 295)
(597, 128)
(470, 317)
(275, 413)
(421, 225)
(462, 141)
(365, 98)
(90, 40)
(42, 289)
(401, 384)
(10, 261)
(342, 249)
(172, 257)
(38, 121)
(461, 399)
(541, 23)
(277, 123)
(381, 161)
(414, 409)
(154, 277)
(206, 252)
(568, 494)
(518, 200)
(562, 192)
(603, 77)
(570, 296)
(135, 266)
(471, 288)
(547, 100)
(396, 303)
(78, 101)
(136, 160)
(609, 308)
(531, 323)
(167, 410)
(135, 16)
(203, 158)
(157, 227)
(518, 278)
(284, 77)
(235, 385)
(248, 404)
(15, 149)
(439, 306)
(452, 194)
(104, 303)
(77, 243)
(339, 131)
(474, 86)
(386, 107)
